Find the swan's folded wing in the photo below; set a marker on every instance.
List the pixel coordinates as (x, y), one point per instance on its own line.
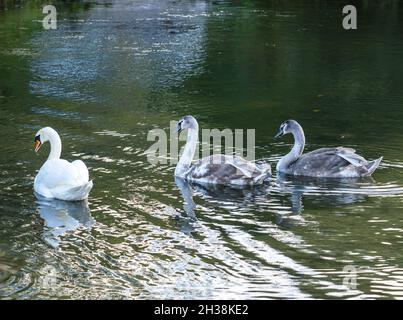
(222, 169)
(58, 172)
(82, 170)
(247, 168)
(331, 151)
(349, 155)
(67, 192)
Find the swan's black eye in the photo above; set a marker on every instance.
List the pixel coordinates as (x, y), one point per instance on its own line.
(38, 138)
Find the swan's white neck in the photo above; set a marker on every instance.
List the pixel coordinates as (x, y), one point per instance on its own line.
(55, 145)
(296, 151)
(188, 152)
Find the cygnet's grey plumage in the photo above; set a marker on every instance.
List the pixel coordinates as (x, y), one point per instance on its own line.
(227, 170)
(216, 169)
(337, 162)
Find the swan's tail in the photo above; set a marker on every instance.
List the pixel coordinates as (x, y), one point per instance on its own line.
(373, 165)
(74, 193)
(266, 172)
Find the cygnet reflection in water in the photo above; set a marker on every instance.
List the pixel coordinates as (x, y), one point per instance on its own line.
(62, 216)
(186, 222)
(255, 199)
(226, 197)
(187, 193)
(324, 192)
(233, 196)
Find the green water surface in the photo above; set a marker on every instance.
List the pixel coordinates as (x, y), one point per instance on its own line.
(113, 70)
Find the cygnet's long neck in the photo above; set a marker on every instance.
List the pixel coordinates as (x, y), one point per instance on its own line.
(296, 151)
(55, 145)
(188, 152)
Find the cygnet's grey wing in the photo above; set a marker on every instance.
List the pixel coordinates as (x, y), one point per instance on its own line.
(329, 162)
(225, 170)
(350, 155)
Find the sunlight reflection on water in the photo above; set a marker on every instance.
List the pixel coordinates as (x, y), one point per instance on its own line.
(111, 73)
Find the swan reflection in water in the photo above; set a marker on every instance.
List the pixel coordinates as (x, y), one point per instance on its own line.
(317, 191)
(61, 217)
(229, 198)
(324, 192)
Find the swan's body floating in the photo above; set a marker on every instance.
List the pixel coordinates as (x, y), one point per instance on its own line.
(58, 178)
(218, 168)
(338, 162)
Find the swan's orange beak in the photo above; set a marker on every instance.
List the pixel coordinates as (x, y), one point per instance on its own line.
(37, 145)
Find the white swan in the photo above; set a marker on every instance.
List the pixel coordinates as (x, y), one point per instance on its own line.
(58, 178)
(216, 169)
(336, 162)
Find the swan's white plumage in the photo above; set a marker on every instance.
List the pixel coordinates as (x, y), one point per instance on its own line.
(81, 169)
(58, 178)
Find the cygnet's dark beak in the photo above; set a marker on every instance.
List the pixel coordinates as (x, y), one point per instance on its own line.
(279, 134)
(179, 127)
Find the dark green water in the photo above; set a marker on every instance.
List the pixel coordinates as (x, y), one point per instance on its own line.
(114, 70)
